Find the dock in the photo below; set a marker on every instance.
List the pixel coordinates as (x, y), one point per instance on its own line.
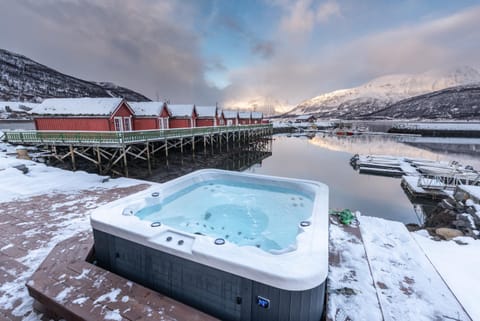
(111, 152)
(421, 178)
(378, 272)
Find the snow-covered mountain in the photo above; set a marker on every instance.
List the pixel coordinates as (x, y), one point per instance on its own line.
(384, 91)
(22, 79)
(269, 106)
(459, 102)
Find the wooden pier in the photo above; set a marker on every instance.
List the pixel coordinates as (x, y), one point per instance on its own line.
(110, 152)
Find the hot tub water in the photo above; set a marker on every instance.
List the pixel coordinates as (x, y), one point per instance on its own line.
(267, 217)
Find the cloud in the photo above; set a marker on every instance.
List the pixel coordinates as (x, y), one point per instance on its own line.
(299, 19)
(263, 48)
(301, 16)
(149, 46)
(297, 74)
(327, 10)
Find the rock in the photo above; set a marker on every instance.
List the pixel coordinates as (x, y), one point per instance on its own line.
(448, 233)
(21, 168)
(460, 223)
(22, 153)
(446, 203)
(460, 196)
(471, 210)
(412, 227)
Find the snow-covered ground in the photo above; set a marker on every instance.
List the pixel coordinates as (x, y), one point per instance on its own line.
(37, 210)
(458, 262)
(394, 277)
(387, 243)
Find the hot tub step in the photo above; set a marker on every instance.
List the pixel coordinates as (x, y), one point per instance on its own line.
(73, 289)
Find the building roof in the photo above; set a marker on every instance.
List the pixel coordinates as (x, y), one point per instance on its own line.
(244, 114)
(147, 108)
(206, 111)
(257, 115)
(181, 110)
(17, 106)
(77, 106)
(230, 113)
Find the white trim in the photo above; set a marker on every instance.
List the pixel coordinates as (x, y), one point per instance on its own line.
(119, 126)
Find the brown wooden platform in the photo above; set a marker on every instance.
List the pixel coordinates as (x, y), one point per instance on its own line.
(71, 288)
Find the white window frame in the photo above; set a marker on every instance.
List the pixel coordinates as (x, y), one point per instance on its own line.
(163, 123)
(127, 124)
(118, 123)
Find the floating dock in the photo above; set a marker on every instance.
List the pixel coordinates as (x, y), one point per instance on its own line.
(421, 178)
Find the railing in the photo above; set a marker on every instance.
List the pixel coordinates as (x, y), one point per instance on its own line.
(121, 137)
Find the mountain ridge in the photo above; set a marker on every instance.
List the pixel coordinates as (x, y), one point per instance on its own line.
(23, 79)
(382, 92)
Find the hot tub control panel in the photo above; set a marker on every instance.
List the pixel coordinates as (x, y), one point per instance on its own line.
(174, 240)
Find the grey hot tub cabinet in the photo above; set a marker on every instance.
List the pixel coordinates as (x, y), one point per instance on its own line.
(219, 293)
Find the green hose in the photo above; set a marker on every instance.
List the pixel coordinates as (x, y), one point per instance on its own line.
(345, 216)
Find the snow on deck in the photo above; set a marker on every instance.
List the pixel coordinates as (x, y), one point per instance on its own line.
(350, 285)
(378, 272)
(408, 286)
(458, 263)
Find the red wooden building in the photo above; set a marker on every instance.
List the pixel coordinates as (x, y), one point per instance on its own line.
(182, 116)
(150, 115)
(98, 114)
(207, 116)
(244, 118)
(230, 117)
(256, 117)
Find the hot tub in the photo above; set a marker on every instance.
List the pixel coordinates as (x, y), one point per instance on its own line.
(238, 246)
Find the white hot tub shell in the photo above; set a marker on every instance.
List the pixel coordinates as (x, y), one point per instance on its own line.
(229, 281)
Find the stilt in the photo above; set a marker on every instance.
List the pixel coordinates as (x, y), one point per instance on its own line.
(148, 160)
(99, 160)
(72, 155)
(125, 165)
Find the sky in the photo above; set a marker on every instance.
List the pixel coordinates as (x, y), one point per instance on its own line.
(231, 52)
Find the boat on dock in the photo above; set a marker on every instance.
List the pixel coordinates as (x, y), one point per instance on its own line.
(421, 178)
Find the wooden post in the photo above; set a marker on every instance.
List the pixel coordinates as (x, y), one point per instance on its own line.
(72, 155)
(148, 160)
(99, 160)
(204, 144)
(125, 160)
(181, 145)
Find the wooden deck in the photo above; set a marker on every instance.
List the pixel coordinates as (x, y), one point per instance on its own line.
(122, 138)
(73, 289)
(111, 152)
(384, 275)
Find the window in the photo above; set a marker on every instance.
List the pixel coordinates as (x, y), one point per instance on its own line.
(117, 121)
(163, 123)
(127, 124)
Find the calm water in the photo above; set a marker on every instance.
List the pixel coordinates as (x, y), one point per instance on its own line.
(326, 159)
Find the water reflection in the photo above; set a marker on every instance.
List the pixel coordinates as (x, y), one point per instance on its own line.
(326, 158)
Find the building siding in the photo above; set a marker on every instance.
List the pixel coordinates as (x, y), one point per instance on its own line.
(145, 123)
(72, 123)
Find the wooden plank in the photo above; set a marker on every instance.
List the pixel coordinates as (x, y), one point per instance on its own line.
(70, 287)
